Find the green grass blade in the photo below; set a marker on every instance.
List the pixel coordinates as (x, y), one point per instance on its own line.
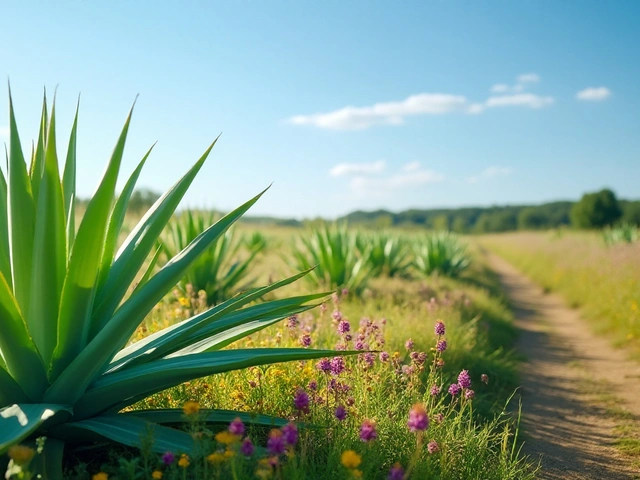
(80, 283)
(224, 417)
(18, 421)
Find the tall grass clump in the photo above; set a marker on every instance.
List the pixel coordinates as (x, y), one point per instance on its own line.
(68, 309)
(223, 270)
(333, 250)
(623, 233)
(441, 253)
(388, 254)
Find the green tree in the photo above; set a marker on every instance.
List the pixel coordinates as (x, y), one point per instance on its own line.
(531, 218)
(596, 210)
(631, 213)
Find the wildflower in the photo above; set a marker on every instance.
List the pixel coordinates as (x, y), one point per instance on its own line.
(439, 328)
(337, 315)
(435, 390)
(355, 473)
(21, 454)
(469, 394)
(345, 292)
(252, 384)
(369, 359)
(368, 431)
(247, 447)
(454, 389)
(236, 427)
(190, 407)
(215, 458)
(293, 322)
(344, 327)
(408, 369)
(359, 345)
(396, 472)
(337, 365)
(351, 401)
(485, 378)
(305, 340)
(301, 401)
(408, 344)
(464, 380)
(439, 417)
(422, 357)
(226, 437)
(290, 434)
(228, 453)
(350, 459)
(324, 365)
(168, 458)
(312, 385)
(418, 418)
(441, 346)
(384, 356)
(184, 461)
(264, 469)
(341, 412)
(433, 447)
(323, 308)
(348, 337)
(276, 443)
(440, 363)
(156, 475)
(100, 476)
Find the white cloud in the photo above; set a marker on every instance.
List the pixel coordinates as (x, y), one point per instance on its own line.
(528, 78)
(397, 181)
(500, 88)
(388, 113)
(594, 94)
(411, 167)
(357, 168)
(519, 100)
(475, 108)
(490, 172)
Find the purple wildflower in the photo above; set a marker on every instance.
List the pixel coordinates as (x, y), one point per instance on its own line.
(276, 443)
(168, 458)
(433, 447)
(384, 356)
(408, 344)
(439, 328)
(408, 369)
(359, 345)
(337, 315)
(454, 389)
(313, 385)
(418, 418)
(292, 321)
(290, 434)
(337, 365)
(435, 390)
(341, 412)
(301, 401)
(441, 346)
(439, 417)
(305, 340)
(247, 447)
(348, 337)
(324, 365)
(396, 472)
(469, 394)
(237, 427)
(345, 292)
(464, 380)
(344, 327)
(368, 431)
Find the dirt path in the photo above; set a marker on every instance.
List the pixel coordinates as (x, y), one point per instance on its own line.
(564, 422)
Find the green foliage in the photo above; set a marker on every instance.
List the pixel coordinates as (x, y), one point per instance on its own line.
(66, 319)
(333, 249)
(623, 233)
(223, 270)
(596, 210)
(142, 199)
(441, 253)
(531, 219)
(387, 254)
(631, 212)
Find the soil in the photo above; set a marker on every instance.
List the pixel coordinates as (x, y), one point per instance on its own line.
(567, 425)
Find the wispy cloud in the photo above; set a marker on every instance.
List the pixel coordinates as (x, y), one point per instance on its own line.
(416, 178)
(594, 94)
(519, 100)
(388, 113)
(528, 78)
(519, 86)
(411, 167)
(490, 172)
(357, 168)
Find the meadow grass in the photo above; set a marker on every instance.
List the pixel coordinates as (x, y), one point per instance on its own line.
(601, 280)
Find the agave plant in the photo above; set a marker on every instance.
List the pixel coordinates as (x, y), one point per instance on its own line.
(441, 253)
(223, 269)
(334, 251)
(623, 233)
(389, 254)
(67, 309)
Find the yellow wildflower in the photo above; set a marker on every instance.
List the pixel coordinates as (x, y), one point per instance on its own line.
(215, 458)
(183, 462)
(227, 437)
(356, 473)
(184, 301)
(100, 476)
(229, 453)
(21, 454)
(157, 475)
(350, 459)
(190, 407)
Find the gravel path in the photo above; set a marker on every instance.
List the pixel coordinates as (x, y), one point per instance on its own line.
(565, 425)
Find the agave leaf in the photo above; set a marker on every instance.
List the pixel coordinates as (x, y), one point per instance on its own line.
(223, 417)
(147, 273)
(80, 283)
(138, 245)
(129, 385)
(49, 252)
(18, 421)
(36, 170)
(10, 391)
(21, 216)
(87, 366)
(69, 182)
(5, 266)
(127, 430)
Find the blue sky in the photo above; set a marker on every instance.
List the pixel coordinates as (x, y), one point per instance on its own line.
(343, 105)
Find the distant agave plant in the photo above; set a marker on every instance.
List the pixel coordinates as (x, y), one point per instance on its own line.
(389, 254)
(66, 366)
(623, 233)
(222, 270)
(441, 253)
(333, 249)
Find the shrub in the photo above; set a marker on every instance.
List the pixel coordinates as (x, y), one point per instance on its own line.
(388, 254)
(65, 322)
(441, 253)
(596, 210)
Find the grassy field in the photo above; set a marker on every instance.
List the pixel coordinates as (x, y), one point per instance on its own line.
(470, 435)
(602, 280)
